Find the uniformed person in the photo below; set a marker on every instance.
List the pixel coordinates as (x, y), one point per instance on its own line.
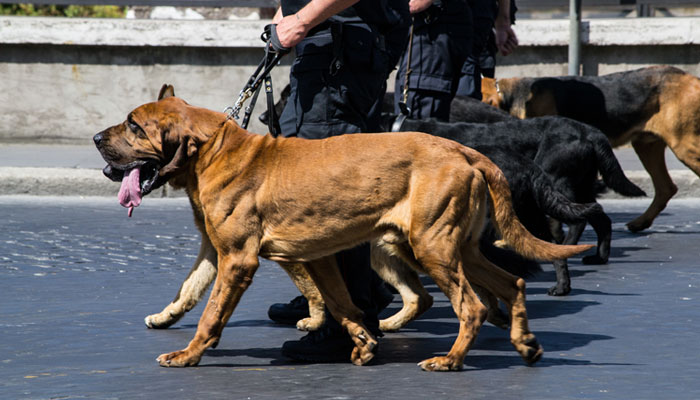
(492, 33)
(345, 50)
(439, 44)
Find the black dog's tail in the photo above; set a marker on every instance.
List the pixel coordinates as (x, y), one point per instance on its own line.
(609, 167)
(558, 206)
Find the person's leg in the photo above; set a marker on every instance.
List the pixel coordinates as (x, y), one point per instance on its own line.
(470, 79)
(328, 104)
(481, 26)
(437, 53)
(330, 342)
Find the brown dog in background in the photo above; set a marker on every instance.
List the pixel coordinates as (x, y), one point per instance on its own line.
(298, 202)
(651, 108)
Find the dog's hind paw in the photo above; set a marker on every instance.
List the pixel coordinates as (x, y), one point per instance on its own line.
(363, 355)
(638, 225)
(558, 290)
(365, 348)
(501, 244)
(529, 349)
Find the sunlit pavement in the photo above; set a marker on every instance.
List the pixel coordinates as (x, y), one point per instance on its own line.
(77, 277)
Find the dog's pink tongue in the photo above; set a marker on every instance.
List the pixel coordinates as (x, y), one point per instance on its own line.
(130, 191)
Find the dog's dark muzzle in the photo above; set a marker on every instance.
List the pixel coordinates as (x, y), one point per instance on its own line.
(113, 174)
(148, 178)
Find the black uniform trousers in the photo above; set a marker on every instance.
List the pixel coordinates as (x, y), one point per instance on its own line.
(441, 43)
(338, 81)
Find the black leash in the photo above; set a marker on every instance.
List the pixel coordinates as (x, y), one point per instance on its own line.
(273, 53)
(403, 104)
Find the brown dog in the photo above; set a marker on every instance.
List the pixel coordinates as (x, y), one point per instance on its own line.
(651, 108)
(300, 201)
(489, 91)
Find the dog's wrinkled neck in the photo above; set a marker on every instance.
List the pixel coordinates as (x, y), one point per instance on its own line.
(226, 130)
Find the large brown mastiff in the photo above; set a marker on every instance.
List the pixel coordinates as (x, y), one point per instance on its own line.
(298, 201)
(651, 108)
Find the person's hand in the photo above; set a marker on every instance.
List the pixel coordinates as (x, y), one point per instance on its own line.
(506, 40)
(291, 30)
(416, 6)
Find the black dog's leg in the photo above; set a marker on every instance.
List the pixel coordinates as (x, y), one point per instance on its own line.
(563, 286)
(555, 227)
(603, 228)
(561, 267)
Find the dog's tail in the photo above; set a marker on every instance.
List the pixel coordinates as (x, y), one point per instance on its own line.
(558, 206)
(506, 259)
(503, 216)
(609, 167)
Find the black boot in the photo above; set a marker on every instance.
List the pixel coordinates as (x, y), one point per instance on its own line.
(328, 344)
(332, 343)
(289, 313)
(298, 307)
(377, 298)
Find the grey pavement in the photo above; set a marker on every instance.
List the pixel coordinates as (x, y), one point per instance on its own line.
(75, 170)
(77, 276)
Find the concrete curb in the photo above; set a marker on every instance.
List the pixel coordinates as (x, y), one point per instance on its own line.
(131, 32)
(688, 184)
(65, 182)
(91, 182)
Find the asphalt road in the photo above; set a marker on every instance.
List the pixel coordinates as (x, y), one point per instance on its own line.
(77, 277)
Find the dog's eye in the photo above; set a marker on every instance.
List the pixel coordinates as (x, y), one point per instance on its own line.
(134, 127)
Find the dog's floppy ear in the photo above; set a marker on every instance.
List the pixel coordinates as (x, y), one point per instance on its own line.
(166, 91)
(185, 151)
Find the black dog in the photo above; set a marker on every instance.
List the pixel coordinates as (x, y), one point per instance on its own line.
(535, 198)
(571, 153)
(650, 108)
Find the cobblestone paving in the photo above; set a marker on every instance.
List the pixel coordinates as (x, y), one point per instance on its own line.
(77, 277)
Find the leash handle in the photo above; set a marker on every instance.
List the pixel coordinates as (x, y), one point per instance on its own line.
(274, 40)
(273, 53)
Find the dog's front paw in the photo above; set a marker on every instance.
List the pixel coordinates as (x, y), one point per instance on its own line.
(161, 320)
(181, 358)
(443, 363)
(310, 324)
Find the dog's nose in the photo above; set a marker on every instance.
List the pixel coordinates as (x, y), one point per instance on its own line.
(98, 138)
